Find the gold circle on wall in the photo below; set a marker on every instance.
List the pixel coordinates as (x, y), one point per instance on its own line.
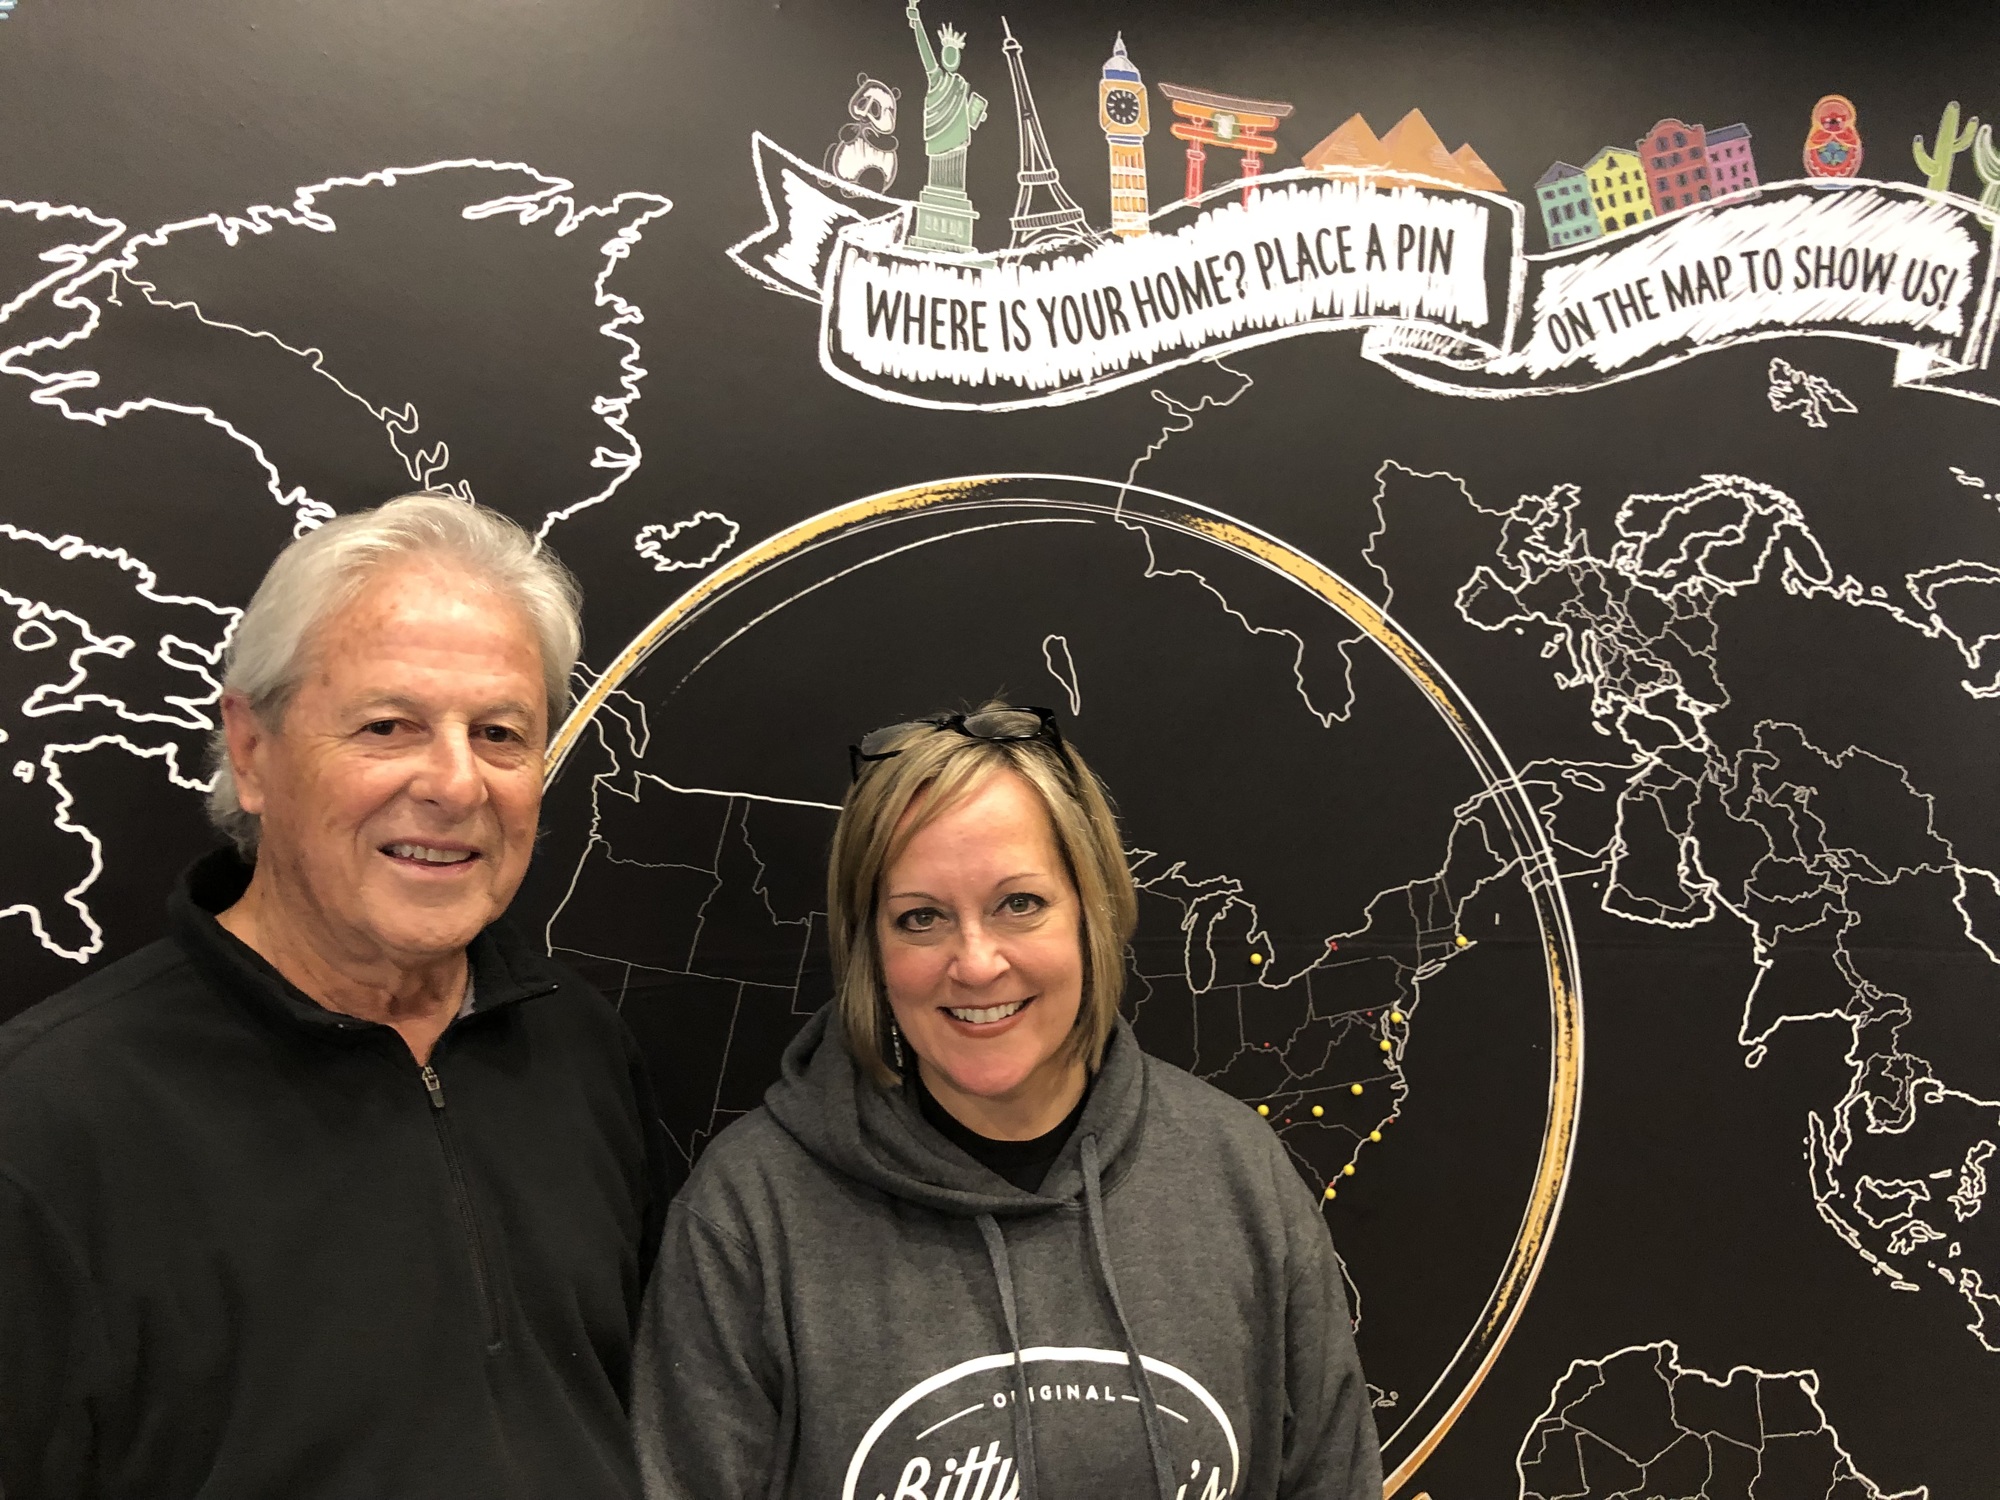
(1418, 1434)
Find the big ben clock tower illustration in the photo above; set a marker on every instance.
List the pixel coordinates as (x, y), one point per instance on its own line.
(1121, 111)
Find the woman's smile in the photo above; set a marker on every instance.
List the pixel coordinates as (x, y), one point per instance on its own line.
(987, 1018)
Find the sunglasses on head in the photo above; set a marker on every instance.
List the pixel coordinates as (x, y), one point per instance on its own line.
(1005, 725)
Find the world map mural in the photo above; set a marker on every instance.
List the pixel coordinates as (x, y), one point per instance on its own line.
(1513, 516)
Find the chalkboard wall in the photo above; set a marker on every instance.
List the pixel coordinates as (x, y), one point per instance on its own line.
(1509, 499)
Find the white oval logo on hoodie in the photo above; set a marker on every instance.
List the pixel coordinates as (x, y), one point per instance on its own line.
(951, 1437)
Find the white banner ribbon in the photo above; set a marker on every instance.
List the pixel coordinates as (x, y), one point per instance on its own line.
(1435, 276)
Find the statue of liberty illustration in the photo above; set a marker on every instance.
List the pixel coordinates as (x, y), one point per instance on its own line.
(952, 111)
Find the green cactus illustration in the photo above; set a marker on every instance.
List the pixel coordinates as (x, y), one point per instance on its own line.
(1986, 161)
(1950, 142)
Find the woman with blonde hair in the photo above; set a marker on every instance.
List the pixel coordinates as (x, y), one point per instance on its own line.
(976, 1245)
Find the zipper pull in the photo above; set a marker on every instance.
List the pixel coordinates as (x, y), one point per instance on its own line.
(436, 1088)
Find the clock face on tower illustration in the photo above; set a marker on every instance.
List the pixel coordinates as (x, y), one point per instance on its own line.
(1121, 106)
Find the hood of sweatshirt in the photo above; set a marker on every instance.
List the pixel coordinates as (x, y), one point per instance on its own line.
(846, 1121)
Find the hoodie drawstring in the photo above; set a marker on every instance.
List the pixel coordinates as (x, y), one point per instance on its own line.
(1003, 1276)
(1149, 1410)
(1024, 1427)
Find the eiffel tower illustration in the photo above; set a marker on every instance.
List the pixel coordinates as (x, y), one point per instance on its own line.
(1043, 212)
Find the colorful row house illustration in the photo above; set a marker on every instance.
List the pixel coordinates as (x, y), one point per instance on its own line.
(1731, 165)
(1618, 188)
(1676, 155)
(1676, 166)
(1569, 217)
(1686, 166)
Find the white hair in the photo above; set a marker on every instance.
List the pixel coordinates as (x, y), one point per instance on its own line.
(320, 573)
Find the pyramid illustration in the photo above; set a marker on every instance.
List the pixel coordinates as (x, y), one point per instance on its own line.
(1474, 173)
(1352, 147)
(1412, 146)
(1410, 150)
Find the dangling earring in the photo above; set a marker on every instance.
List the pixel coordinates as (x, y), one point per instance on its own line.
(896, 1043)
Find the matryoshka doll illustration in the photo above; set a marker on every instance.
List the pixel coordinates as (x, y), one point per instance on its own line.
(1833, 145)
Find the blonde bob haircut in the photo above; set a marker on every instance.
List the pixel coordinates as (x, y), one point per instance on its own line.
(936, 770)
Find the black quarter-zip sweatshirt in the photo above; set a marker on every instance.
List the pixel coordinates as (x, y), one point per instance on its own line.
(250, 1248)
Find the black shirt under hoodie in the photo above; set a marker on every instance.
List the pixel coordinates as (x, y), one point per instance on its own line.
(1023, 1163)
(245, 1251)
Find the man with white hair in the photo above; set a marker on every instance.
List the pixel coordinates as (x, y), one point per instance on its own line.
(340, 1189)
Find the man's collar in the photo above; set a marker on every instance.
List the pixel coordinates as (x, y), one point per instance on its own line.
(501, 969)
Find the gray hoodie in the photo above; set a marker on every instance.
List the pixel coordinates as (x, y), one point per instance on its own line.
(848, 1307)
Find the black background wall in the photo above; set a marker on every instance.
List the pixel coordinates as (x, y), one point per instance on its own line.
(1768, 794)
